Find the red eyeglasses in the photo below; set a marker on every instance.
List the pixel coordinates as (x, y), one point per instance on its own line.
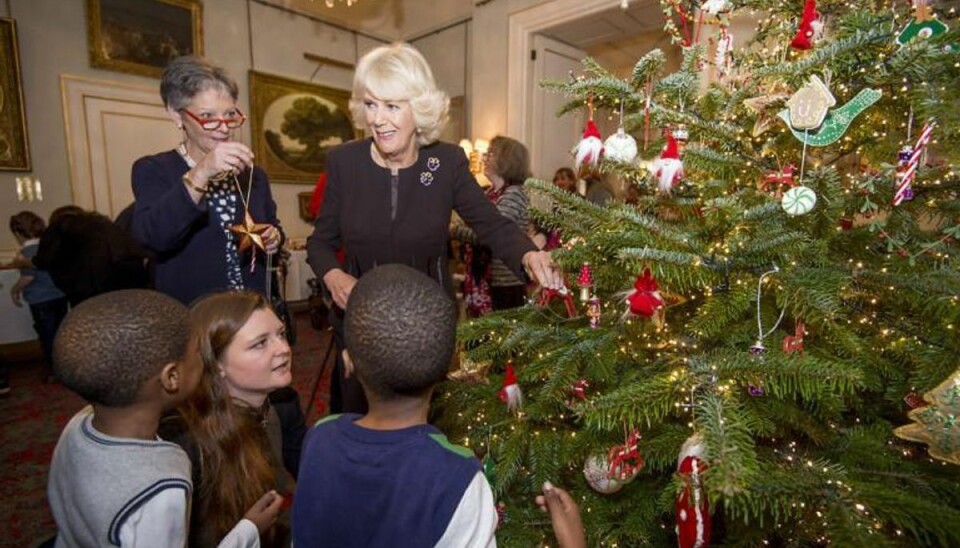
(212, 124)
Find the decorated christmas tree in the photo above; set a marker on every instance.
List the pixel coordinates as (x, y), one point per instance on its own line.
(737, 347)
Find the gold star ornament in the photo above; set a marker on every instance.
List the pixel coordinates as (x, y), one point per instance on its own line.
(250, 233)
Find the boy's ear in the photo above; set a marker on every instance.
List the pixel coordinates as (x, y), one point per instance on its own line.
(170, 377)
(347, 364)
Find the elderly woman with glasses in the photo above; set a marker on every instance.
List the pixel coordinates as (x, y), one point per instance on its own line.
(204, 208)
(389, 197)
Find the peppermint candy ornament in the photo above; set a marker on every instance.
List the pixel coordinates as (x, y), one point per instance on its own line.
(799, 200)
(620, 147)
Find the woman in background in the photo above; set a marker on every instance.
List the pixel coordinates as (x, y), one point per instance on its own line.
(507, 165)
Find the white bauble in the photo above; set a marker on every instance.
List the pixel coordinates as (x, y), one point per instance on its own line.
(596, 470)
(620, 147)
(799, 200)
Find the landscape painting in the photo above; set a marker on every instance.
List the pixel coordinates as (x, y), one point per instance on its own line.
(294, 124)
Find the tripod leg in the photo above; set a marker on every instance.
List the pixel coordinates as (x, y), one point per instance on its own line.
(323, 368)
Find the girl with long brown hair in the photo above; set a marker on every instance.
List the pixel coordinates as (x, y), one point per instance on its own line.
(244, 426)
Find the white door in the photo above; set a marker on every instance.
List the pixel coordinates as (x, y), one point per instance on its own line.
(552, 138)
(109, 125)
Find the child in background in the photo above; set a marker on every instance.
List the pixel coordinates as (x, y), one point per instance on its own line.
(48, 305)
(388, 478)
(112, 482)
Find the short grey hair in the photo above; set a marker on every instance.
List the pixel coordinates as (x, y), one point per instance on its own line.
(189, 75)
(399, 72)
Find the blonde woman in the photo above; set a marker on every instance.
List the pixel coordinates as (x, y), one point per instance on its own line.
(389, 197)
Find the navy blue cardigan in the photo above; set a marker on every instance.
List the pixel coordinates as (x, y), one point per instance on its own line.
(186, 237)
(411, 225)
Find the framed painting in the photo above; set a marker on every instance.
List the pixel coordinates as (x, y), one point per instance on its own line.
(294, 124)
(142, 36)
(14, 145)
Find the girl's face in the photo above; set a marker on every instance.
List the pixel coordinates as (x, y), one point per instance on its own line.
(392, 126)
(257, 361)
(563, 181)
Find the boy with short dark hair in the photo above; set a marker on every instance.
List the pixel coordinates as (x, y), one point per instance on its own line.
(112, 482)
(388, 478)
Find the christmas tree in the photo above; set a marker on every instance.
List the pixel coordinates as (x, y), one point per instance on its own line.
(738, 346)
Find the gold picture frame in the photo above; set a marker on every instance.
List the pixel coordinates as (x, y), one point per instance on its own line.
(142, 36)
(294, 124)
(14, 143)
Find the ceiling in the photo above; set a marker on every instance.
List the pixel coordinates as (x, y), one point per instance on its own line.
(612, 26)
(614, 37)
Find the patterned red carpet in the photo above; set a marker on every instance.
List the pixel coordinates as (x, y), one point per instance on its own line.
(35, 412)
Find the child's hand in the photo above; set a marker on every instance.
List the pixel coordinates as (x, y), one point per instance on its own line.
(264, 512)
(565, 515)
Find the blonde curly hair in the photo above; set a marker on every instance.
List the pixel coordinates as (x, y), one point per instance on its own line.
(399, 72)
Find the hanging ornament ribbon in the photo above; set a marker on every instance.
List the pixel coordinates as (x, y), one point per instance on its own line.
(758, 349)
(625, 460)
(904, 188)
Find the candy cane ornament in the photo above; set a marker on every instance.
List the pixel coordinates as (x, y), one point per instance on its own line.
(904, 190)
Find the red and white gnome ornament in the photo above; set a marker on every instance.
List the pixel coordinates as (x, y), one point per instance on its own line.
(510, 393)
(692, 507)
(668, 168)
(590, 148)
(810, 27)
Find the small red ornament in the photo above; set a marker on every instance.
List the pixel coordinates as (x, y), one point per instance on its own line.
(585, 281)
(810, 27)
(668, 168)
(547, 295)
(914, 400)
(579, 390)
(593, 311)
(645, 298)
(501, 513)
(777, 180)
(794, 343)
(510, 393)
(845, 224)
(692, 506)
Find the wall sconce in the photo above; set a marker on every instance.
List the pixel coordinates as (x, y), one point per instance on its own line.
(29, 190)
(475, 152)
